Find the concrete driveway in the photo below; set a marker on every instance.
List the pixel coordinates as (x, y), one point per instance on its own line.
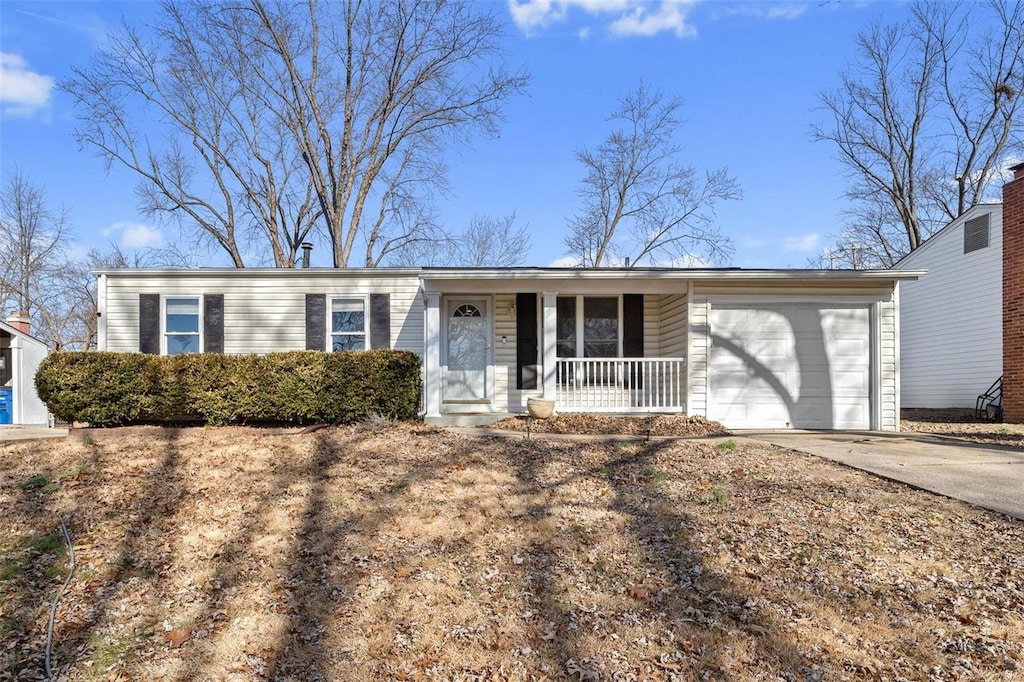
(12, 433)
(989, 476)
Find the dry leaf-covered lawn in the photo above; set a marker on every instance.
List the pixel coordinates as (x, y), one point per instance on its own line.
(418, 554)
(960, 423)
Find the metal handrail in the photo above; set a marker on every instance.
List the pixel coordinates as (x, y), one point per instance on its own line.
(989, 405)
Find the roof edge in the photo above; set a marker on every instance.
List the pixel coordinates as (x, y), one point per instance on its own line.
(526, 273)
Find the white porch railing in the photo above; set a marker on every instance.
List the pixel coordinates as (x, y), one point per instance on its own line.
(620, 384)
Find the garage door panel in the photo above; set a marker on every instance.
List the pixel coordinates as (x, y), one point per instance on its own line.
(764, 346)
(790, 366)
(856, 349)
(759, 416)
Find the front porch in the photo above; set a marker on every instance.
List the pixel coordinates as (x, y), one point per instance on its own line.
(601, 351)
(622, 385)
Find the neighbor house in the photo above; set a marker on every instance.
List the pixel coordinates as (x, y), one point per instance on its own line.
(750, 348)
(20, 355)
(961, 326)
(951, 321)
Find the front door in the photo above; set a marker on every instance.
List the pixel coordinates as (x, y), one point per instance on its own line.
(469, 350)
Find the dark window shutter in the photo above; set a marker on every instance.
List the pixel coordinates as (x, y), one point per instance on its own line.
(213, 323)
(976, 233)
(149, 323)
(633, 325)
(633, 334)
(380, 320)
(316, 321)
(526, 341)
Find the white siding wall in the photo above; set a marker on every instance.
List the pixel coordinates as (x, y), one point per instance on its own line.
(507, 398)
(672, 318)
(652, 325)
(951, 337)
(263, 312)
(697, 358)
(888, 365)
(28, 408)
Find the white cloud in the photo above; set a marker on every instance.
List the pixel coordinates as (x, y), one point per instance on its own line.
(565, 262)
(763, 10)
(801, 242)
(135, 235)
(668, 17)
(625, 17)
(1003, 175)
(23, 92)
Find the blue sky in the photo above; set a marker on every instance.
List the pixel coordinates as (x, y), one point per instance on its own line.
(748, 72)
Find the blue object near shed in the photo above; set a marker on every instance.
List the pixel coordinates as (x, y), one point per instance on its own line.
(6, 405)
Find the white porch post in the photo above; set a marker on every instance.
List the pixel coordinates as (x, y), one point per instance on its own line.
(550, 335)
(432, 358)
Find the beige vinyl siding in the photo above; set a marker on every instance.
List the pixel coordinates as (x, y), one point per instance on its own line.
(951, 336)
(697, 357)
(672, 324)
(652, 325)
(263, 312)
(888, 366)
(507, 398)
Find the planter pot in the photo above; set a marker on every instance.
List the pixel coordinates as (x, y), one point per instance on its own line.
(540, 408)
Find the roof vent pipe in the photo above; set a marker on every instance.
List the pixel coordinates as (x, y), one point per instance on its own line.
(306, 248)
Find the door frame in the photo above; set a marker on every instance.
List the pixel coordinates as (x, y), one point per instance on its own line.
(486, 303)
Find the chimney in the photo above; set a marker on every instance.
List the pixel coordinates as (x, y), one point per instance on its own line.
(306, 248)
(1013, 297)
(20, 321)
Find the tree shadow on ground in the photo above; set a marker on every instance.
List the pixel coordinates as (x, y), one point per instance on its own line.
(701, 614)
(422, 553)
(148, 518)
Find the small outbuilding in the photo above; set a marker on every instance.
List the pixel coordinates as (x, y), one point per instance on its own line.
(20, 355)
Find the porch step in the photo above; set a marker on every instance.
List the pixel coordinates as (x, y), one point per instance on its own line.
(466, 418)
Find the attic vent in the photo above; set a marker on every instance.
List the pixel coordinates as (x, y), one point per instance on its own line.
(976, 233)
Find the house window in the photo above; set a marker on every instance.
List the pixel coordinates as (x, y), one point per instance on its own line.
(976, 233)
(589, 324)
(348, 324)
(181, 325)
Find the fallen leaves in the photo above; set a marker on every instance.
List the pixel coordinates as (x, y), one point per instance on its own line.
(417, 554)
(175, 638)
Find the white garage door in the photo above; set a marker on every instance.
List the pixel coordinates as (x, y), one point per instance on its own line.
(793, 366)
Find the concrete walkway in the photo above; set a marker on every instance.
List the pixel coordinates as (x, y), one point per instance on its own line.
(12, 433)
(989, 476)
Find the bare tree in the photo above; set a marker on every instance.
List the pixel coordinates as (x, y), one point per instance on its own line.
(283, 115)
(492, 242)
(924, 121)
(639, 201)
(32, 239)
(487, 242)
(70, 316)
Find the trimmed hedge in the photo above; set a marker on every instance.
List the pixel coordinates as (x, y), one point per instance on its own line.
(300, 387)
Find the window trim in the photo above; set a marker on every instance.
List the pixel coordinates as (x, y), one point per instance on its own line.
(198, 298)
(580, 342)
(329, 321)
